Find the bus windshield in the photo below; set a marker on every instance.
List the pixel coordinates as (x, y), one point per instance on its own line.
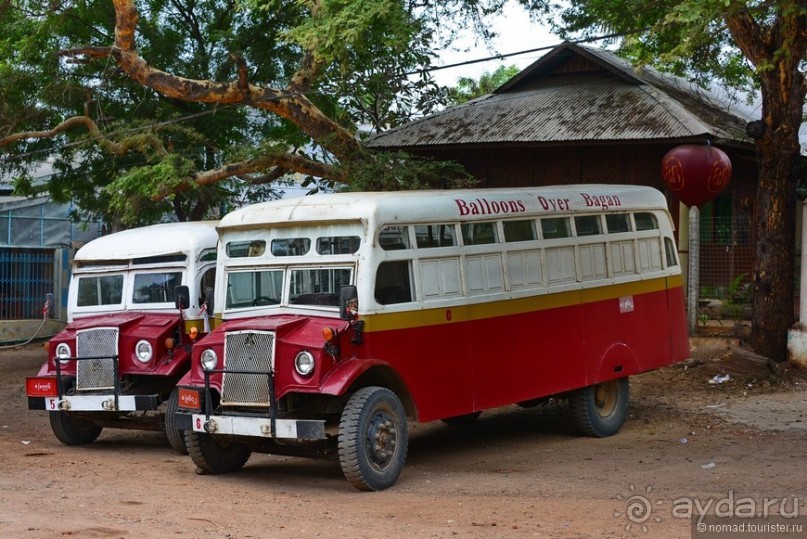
(109, 290)
(156, 287)
(288, 286)
(98, 290)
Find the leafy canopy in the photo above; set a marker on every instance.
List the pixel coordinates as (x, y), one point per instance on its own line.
(202, 101)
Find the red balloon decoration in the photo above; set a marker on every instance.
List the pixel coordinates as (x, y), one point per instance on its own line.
(696, 173)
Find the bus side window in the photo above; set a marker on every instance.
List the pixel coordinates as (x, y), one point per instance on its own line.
(587, 225)
(617, 222)
(435, 236)
(519, 230)
(555, 227)
(645, 221)
(669, 248)
(394, 238)
(393, 283)
(478, 233)
(207, 281)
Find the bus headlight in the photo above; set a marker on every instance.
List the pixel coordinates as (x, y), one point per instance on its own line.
(304, 363)
(63, 352)
(143, 351)
(209, 359)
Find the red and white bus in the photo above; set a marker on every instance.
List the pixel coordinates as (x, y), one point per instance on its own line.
(344, 315)
(117, 362)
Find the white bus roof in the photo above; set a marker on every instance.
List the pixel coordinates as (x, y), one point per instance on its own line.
(445, 205)
(154, 240)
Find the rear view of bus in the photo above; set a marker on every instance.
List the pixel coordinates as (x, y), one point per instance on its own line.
(126, 344)
(345, 315)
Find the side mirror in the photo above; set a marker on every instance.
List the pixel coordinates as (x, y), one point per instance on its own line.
(348, 302)
(182, 295)
(209, 299)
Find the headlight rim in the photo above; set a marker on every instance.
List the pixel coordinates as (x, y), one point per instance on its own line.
(311, 361)
(150, 349)
(209, 352)
(62, 358)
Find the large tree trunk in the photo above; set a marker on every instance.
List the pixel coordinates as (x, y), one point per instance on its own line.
(773, 309)
(776, 51)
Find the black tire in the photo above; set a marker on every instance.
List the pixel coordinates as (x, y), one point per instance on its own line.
(175, 436)
(373, 439)
(601, 409)
(462, 421)
(72, 430)
(213, 456)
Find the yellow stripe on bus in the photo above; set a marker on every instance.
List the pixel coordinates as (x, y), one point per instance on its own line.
(508, 307)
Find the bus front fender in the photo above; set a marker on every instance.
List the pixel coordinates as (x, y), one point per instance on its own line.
(345, 373)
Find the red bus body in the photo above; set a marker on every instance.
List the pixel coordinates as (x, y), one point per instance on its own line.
(508, 317)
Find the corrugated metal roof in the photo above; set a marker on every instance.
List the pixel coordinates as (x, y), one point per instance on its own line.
(609, 103)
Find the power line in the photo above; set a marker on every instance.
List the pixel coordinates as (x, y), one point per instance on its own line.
(519, 53)
(218, 108)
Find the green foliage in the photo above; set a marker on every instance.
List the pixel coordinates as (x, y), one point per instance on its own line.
(738, 296)
(399, 171)
(336, 28)
(734, 298)
(686, 38)
(468, 88)
(38, 90)
(132, 194)
(367, 49)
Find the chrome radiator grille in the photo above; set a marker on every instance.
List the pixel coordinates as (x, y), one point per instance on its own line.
(96, 373)
(247, 351)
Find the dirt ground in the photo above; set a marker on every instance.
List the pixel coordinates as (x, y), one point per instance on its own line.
(515, 473)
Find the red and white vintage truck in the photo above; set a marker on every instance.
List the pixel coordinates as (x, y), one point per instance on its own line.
(126, 343)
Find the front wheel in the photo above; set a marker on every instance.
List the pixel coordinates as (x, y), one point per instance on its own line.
(72, 430)
(175, 436)
(600, 410)
(373, 439)
(213, 456)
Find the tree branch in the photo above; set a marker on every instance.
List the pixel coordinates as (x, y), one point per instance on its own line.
(749, 36)
(285, 162)
(296, 163)
(289, 104)
(85, 121)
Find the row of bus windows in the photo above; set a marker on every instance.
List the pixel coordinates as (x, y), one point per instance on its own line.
(445, 235)
(531, 269)
(330, 245)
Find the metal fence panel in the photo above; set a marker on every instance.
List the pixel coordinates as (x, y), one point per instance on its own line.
(26, 276)
(726, 271)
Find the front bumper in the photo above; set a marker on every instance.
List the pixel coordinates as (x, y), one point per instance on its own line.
(95, 403)
(259, 427)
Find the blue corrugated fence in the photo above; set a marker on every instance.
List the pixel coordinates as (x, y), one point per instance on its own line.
(26, 276)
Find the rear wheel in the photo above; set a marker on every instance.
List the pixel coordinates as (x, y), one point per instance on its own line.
(215, 456)
(175, 436)
(70, 429)
(600, 410)
(373, 439)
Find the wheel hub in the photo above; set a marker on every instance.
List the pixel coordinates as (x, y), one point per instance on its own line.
(381, 440)
(605, 397)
